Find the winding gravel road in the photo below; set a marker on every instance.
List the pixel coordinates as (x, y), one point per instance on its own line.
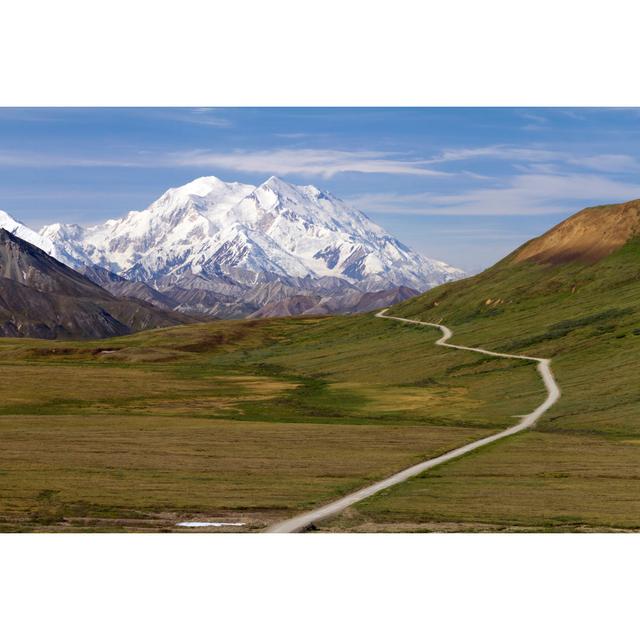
(304, 520)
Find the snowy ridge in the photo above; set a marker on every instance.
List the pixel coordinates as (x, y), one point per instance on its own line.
(242, 235)
(22, 231)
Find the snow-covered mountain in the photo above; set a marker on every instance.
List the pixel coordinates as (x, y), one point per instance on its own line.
(232, 250)
(222, 236)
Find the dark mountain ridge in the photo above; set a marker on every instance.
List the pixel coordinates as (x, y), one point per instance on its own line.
(42, 298)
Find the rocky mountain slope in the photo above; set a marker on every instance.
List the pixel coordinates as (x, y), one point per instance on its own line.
(43, 298)
(315, 305)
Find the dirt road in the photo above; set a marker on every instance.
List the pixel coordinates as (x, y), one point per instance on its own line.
(304, 520)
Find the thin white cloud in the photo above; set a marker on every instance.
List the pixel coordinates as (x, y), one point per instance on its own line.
(574, 115)
(534, 127)
(33, 159)
(205, 116)
(539, 167)
(327, 163)
(293, 136)
(539, 157)
(525, 194)
(610, 163)
(498, 152)
(309, 162)
(538, 119)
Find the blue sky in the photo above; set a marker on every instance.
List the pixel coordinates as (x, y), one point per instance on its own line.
(464, 185)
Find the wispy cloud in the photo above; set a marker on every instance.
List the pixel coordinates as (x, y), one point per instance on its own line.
(204, 116)
(308, 162)
(535, 122)
(497, 152)
(553, 173)
(34, 159)
(525, 194)
(613, 163)
(538, 119)
(573, 115)
(293, 136)
(539, 157)
(303, 162)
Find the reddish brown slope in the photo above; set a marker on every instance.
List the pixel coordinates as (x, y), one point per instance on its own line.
(587, 236)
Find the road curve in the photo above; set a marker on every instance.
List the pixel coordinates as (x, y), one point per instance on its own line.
(304, 520)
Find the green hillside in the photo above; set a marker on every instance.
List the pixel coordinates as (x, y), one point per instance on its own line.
(579, 467)
(585, 317)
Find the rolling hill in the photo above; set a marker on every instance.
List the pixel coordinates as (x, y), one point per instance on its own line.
(572, 295)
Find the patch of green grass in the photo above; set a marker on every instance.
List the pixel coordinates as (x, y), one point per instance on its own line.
(585, 321)
(352, 369)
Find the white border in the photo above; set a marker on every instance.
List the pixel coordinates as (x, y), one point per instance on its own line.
(319, 586)
(337, 52)
(331, 53)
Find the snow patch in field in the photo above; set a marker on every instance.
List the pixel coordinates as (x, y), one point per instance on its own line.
(210, 524)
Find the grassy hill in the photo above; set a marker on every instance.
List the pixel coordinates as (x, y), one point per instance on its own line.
(572, 295)
(583, 313)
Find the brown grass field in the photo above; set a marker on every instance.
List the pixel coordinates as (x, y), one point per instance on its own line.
(123, 473)
(535, 481)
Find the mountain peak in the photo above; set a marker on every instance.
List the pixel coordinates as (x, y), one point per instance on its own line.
(200, 186)
(8, 222)
(278, 186)
(206, 196)
(275, 181)
(282, 187)
(209, 187)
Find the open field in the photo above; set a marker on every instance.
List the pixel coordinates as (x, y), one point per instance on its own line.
(340, 370)
(233, 421)
(114, 473)
(534, 481)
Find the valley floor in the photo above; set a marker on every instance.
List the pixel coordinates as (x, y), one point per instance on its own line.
(105, 473)
(254, 421)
